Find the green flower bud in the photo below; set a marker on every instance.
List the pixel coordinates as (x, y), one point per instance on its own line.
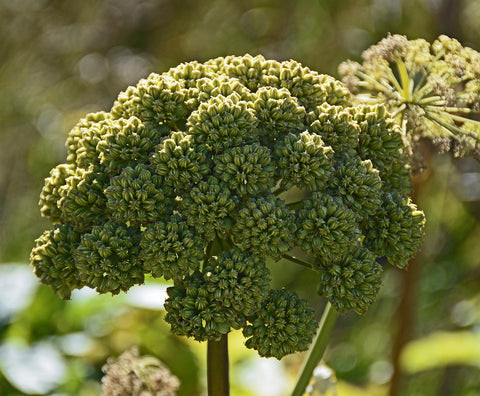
(137, 196)
(222, 123)
(265, 226)
(83, 138)
(380, 141)
(190, 72)
(50, 194)
(396, 231)
(159, 101)
(284, 325)
(240, 282)
(209, 208)
(180, 161)
(311, 89)
(193, 312)
(336, 127)
(278, 113)
(358, 183)
(351, 283)
(171, 248)
(249, 70)
(82, 201)
(127, 143)
(107, 258)
(327, 228)
(247, 170)
(304, 161)
(221, 85)
(53, 261)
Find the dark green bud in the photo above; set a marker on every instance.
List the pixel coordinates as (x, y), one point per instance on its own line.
(351, 284)
(278, 113)
(193, 312)
(53, 261)
(247, 170)
(304, 161)
(221, 85)
(158, 101)
(336, 127)
(190, 72)
(359, 185)
(126, 143)
(137, 196)
(380, 141)
(83, 138)
(240, 281)
(209, 208)
(310, 88)
(223, 122)
(250, 71)
(180, 161)
(396, 231)
(82, 201)
(107, 258)
(327, 228)
(171, 248)
(50, 194)
(284, 325)
(265, 226)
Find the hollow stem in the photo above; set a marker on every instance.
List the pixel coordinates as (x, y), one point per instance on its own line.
(217, 367)
(325, 328)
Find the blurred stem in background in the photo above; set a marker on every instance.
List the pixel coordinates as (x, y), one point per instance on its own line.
(409, 283)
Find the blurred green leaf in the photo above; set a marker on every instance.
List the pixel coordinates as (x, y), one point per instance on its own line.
(442, 349)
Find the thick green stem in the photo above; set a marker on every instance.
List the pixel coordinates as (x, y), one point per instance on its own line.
(217, 367)
(327, 322)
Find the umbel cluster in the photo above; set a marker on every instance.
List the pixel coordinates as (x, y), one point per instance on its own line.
(433, 90)
(190, 177)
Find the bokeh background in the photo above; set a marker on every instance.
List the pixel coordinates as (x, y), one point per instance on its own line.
(62, 59)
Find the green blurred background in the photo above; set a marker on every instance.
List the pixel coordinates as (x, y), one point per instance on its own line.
(62, 59)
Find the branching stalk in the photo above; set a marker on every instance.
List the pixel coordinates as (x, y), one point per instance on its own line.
(315, 354)
(375, 83)
(451, 129)
(405, 80)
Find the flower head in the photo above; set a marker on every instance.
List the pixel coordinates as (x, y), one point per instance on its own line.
(431, 89)
(203, 174)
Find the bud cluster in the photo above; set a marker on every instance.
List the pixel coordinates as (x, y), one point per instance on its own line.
(190, 176)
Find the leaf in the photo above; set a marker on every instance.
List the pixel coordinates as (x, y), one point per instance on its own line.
(442, 349)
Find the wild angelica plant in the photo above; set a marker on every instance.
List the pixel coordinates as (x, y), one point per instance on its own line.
(188, 177)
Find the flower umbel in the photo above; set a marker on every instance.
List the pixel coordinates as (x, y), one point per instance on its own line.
(431, 89)
(201, 174)
(132, 374)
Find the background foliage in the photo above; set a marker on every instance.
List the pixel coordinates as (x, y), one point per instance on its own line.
(62, 59)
